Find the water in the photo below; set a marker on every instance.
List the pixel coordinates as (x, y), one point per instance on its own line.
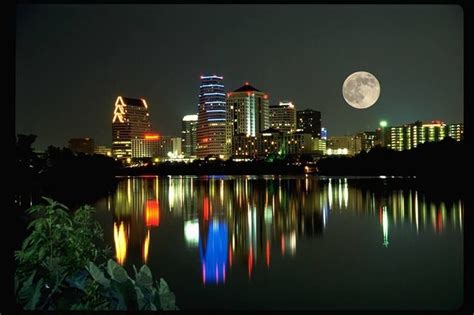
(269, 242)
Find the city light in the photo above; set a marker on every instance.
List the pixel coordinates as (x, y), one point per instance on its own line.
(383, 124)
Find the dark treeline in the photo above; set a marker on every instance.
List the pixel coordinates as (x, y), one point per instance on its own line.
(61, 174)
(436, 165)
(217, 167)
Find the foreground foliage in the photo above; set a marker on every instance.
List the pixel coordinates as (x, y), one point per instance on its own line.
(61, 267)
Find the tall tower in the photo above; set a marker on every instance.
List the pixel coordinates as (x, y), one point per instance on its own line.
(188, 135)
(211, 126)
(248, 111)
(130, 121)
(309, 121)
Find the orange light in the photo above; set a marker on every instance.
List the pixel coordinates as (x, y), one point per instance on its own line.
(152, 136)
(250, 261)
(246, 83)
(248, 93)
(265, 96)
(152, 217)
(120, 240)
(268, 253)
(146, 245)
(206, 208)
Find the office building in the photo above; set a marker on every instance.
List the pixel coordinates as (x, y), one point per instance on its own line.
(103, 150)
(248, 111)
(189, 135)
(147, 147)
(130, 121)
(456, 131)
(212, 132)
(409, 136)
(309, 121)
(283, 117)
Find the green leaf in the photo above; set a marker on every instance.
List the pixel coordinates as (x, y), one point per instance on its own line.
(98, 275)
(117, 272)
(35, 297)
(78, 279)
(167, 298)
(144, 277)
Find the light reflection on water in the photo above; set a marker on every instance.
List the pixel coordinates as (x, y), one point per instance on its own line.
(246, 221)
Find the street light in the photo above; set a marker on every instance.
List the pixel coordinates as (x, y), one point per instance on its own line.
(383, 123)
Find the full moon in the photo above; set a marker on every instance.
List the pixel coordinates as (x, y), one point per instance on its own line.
(361, 90)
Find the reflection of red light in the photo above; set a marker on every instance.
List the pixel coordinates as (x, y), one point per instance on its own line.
(152, 216)
(223, 272)
(380, 216)
(250, 262)
(282, 245)
(230, 256)
(206, 208)
(439, 219)
(268, 253)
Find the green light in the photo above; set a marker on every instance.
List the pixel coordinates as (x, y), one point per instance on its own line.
(383, 123)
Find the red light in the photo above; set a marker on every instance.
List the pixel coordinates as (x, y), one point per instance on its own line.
(248, 93)
(250, 261)
(246, 83)
(206, 208)
(268, 253)
(265, 96)
(152, 217)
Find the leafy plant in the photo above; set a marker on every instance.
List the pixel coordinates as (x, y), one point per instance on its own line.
(56, 267)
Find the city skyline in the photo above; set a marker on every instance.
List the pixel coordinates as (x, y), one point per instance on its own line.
(419, 65)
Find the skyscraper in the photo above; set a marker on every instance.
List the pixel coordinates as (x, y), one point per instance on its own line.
(309, 121)
(188, 135)
(248, 111)
(211, 127)
(130, 121)
(283, 117)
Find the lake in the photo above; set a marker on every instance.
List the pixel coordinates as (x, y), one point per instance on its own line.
(289, 242)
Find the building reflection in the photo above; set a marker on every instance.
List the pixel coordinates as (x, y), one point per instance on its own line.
(248, 222)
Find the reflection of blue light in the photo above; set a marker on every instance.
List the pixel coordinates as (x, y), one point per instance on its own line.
(214, 259)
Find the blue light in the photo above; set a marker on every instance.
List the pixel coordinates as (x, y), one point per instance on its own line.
(216, 119)
(216, 111)
(214, 257)
(211, 77)
(324, 133)
(213, 94)
(215, 102)
(211, 85)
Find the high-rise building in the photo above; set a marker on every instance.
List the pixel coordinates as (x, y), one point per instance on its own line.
(283, 117)
(188, 135)
(324, 133)
(211, 131)
(309, 121)
(82, 145)
(248, 111)
(340, 145)
(130, 121)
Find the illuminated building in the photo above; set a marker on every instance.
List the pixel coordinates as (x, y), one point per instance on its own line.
(248, 111)
(188, 135)
(340, 145)
(244, 146)
(283, 117)
(409, 136)
(324, 133)
(169, 146)
(146, 147)
(456, 131)
(130, 121)
(211, 132)
(319, 145)
(102, 149)
(82, 145)
(309, 121)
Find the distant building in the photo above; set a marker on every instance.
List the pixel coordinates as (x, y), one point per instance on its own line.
(340, 145)
(244, 146)
(189, 135)
(309, 121)
(81, 145)
(212, 129)
(283, 117)
(130, 121)
(409, 136)
(102, 149)
(147, 147)
(319, 146)
(456, 131)
(364, 141)
(324, 133)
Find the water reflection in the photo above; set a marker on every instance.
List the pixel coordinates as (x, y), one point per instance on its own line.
(247, 221)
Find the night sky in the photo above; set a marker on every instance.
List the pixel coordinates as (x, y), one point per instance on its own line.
(72, 61)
